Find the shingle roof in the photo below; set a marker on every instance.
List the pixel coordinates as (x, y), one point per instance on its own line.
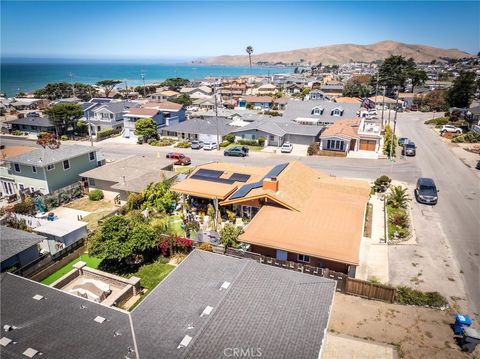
(164, 105)
(60, 325)
(296, 109)
(251, 99)
(260, 300)
(346, 128)
(199, 126)
(44, 157)
(14, 241)
(281, 127)
(117, 107)
(32, 121)
(143, 111)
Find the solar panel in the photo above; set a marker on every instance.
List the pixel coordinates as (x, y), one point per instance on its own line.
(239, 177)
(212, 179)
(208, 173)
(275, 171)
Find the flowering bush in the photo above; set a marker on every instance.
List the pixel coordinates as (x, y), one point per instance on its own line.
(171, 245)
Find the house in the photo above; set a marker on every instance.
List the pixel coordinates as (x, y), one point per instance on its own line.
(172, 112)
(61, 233)
(316, 95)
(280, 104)
(277, 131)
(7, 178)
(137, 113)
(163, 95)
(48, 170)
(256, 102)
(18, 248)
(31, 124)
(266, 90)
(356, 134)
(204, 300)
(335, 88)
(205, 104)
(205, 130)
(197, 92)
(322, 112)
(233, 88)
(350, 100)
(378, 101)
(24, 103)
(293, 89)
(129, 175)
(109, 116)
(299, 214)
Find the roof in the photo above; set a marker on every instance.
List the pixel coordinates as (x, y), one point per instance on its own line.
(31, 121)
(143, 111)
(352, 100)
(250, 99)
(312, 214)
(280, 127)
(199, 126)
(297, 108)
(379, 99)
(60, 227)
(248, 306)
(164, 105)
(16, 150)
(44, 157)
(346, 128)
(14, 241)
(116, 107)
(169, 93)
(245, 315)
(60, 325)
(140, 183)
(128, 169)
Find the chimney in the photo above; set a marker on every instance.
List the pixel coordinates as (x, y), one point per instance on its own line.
(271, 184)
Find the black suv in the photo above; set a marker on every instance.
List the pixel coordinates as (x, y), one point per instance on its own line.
(426, 192)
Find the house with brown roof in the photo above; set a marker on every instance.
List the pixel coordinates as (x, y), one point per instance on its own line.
(163, 95)
(298, 213)
(257, 102)
(353, 134)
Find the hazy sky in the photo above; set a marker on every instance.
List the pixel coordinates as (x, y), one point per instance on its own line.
(158, 29)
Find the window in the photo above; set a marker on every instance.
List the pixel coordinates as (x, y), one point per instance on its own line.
(21, 186)
(34, 169)
(16, 166)
(50, 167)
(91, 156)
(32, 189)
(281, 255)
(303, 258)
(66, 165)
(91, 182)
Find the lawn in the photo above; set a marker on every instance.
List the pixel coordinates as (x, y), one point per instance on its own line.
(150, 276)
(176, 223)
(183, 169)
(93, 218)
(392, 228)
(251, 148)
(92, 262)
(84, 204)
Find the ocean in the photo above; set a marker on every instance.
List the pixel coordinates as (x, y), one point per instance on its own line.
(25, 77)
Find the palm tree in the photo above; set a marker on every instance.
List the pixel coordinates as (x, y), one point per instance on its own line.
(249, 51)
(398, 197)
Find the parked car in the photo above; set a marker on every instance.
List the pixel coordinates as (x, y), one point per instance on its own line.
(402, 141)
(426, 191)
(478, 165)
(235, 151)
(180, 158)
(209, 146)
(196, 145)
(409, 149)
(413, 107)
(287, 147)
(451, 129)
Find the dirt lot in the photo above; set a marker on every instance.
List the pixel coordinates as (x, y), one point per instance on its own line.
(415, 332)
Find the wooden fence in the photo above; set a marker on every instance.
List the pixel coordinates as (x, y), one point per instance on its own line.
(345, 284)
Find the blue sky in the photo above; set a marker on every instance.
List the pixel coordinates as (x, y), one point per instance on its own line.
(177, 30)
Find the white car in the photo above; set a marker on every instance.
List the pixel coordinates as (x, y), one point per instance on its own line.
(450, 128)
(207, 146)
(287, 147)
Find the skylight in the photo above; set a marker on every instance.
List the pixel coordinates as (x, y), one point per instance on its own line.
(30, 352)
(5, 341)
(38, 297)
(99, 319)
(225, 285)
(208, 309)
(185, 341)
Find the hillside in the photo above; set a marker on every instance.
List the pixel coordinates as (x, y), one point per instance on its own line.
(339, 54)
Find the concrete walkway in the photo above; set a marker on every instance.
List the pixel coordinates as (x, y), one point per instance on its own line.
(343, 346)
(373, 251)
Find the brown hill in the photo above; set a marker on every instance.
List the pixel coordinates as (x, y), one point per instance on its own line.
(339, 54)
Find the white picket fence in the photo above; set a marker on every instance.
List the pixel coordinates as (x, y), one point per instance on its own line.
(31, 221)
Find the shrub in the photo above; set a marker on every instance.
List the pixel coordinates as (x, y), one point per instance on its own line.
(382, 183)
(106, 133)
(468, 137)
(77, 192)
(51, 201)
(183, 144)
(64, 138)
(161, 142)
(399, 219)
(410, 296)
(248, 142)
(225, 144)
(261, 141)
(64, 197)
(231, 216)
(424, 108)
(95, 195)
(17, 133)
(313, 149)
(230, 137)
(205, 247)
(25, 207)
(41, 134)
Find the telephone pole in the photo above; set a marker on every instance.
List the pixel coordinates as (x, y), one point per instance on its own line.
(144, 88)
(73, 85)
(216, 119)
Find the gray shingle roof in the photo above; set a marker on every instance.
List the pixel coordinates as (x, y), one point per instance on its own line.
(199, 126)
(42, 158)
(296, 109)
(117, 107)
(281, 127)
(31, 121)
(14, 241)
(58, 326)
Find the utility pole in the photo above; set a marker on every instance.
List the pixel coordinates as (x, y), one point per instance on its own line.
(216, 119)
(144, 88)
(89, 128)
(71, 81)
(394, 126)
(126, 89)
(383, 104)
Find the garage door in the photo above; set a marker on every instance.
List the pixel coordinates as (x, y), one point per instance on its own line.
(368, 145)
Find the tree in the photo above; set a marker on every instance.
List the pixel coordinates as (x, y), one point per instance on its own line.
(229, 235)
(183, 99)
(417, 76)
(249, 51)
(462, 91)
(108, 85)
(146, 127)
(435, 99)
(145, 90)
(175, 83)
(58, 90)
(398, 197)
(358, 86)
(389, 149)
(47, 139)
(158, 196)
(63, 116)
(394, 72)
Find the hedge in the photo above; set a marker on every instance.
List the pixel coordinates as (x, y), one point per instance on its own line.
(106, 133)
(468, 137)
(410, 296)
(95, 195)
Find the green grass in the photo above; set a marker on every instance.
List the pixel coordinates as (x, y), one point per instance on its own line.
(251, 148)
(391, 227)
(92, 262)
(176, 223)
(150, 276)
